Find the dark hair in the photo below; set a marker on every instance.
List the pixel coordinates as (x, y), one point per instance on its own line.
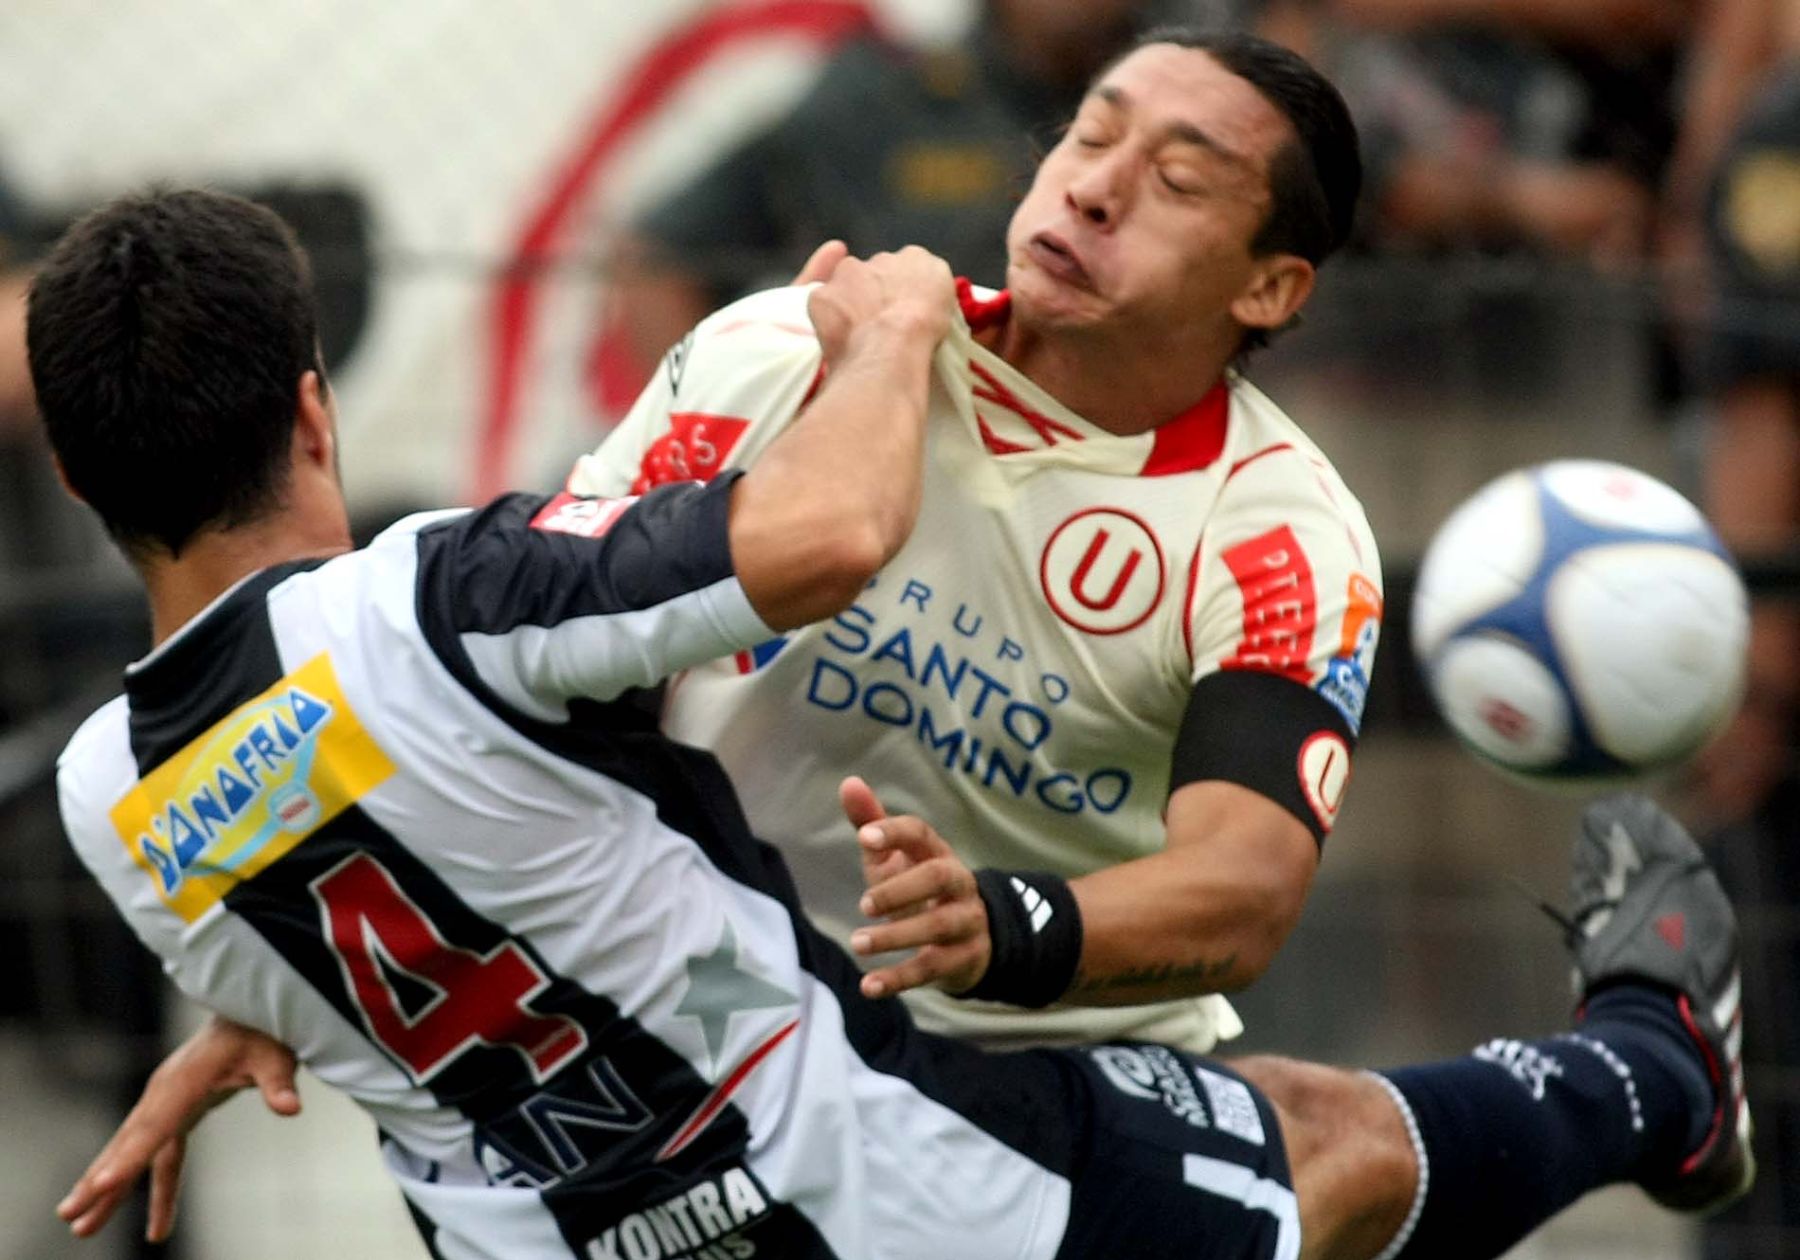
(1314, 184)
(168, 333)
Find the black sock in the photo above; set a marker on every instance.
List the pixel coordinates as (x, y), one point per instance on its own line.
(1519, 1130)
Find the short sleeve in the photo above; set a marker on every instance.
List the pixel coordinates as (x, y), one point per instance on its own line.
(1289, 582)
(1284, 618)
(717, 398)
(542, 601)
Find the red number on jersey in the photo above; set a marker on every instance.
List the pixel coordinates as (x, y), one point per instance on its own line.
(476, 999)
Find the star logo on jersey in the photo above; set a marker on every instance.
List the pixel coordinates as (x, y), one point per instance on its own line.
(718, 988)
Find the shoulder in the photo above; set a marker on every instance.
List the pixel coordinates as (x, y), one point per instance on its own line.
(95, 767)
(778, 313)
(765, 337)
(1280, 477)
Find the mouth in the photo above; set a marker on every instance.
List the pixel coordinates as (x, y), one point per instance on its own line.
(1057, 257)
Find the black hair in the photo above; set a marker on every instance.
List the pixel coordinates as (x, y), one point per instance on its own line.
(167, 333)
(1313, 183)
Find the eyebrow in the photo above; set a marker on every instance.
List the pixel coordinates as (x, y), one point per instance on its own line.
(1179, 130)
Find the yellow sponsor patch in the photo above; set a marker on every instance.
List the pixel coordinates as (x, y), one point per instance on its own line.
(261, 780)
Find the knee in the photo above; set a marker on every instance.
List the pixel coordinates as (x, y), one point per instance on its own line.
(1340, 1127)
(1354, 1168)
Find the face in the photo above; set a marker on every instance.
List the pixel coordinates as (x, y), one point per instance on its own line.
(1140, 219)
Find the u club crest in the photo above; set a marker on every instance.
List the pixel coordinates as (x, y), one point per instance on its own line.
(1102, 571)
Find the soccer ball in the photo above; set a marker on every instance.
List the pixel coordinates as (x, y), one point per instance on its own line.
(1581, 620)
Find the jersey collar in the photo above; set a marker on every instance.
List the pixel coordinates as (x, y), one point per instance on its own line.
(1189, 442)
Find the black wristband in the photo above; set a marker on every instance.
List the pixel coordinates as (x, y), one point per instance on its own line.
(1035, 929)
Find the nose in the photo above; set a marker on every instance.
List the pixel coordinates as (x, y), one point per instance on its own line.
(1101, 190)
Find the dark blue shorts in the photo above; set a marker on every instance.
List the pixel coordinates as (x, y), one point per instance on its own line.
(1177, 1157)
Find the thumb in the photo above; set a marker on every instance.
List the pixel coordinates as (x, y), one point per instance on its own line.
(823, 262)
(273, 1073)
(859, 802)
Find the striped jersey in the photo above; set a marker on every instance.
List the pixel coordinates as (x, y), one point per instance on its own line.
(1071, 605)
(398, 810)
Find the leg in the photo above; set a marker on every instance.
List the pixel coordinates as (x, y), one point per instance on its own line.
(1466, 1157)
(1354, 1166)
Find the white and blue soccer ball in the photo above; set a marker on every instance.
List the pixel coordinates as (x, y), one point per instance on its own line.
(1581, 620)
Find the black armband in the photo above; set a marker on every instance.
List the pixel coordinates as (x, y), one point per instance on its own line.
(1034, 926)
(1272, 735)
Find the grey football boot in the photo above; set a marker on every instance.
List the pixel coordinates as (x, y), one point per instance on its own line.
(1648, 907)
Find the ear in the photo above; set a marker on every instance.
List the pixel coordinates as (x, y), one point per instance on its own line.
(315, 429)
(1279, 286)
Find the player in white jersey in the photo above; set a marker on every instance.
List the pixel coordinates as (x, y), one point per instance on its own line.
(392, 807)
(1128, 648)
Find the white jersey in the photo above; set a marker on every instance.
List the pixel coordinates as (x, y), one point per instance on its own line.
(1070, 606)
(391, 810)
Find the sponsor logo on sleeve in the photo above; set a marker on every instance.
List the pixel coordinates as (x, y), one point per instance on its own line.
(1324, 766)
(1275, 580)
(257, 783)
(1346, 680)
(694, 449)
(580, 515)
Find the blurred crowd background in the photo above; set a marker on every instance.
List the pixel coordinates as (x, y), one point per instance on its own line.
(1580, 236)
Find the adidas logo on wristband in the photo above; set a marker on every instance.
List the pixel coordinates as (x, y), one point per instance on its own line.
(1036, 906)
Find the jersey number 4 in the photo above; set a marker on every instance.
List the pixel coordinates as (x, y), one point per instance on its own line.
(376, 930)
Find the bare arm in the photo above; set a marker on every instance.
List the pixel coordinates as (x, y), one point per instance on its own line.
(1206, 914)
(836, 495)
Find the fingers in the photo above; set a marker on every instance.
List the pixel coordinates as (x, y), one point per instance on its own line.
(165, 1189)
(942, 878)
(911, 292)
(271, 1067)
(860, 804)
(823, 262)
(953, 968)
(912, 836)
(91, 1202)
(952, 923)
(219, 1059)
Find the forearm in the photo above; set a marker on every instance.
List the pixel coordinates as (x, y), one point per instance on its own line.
(1167, 926)
(837, 494)
(852, 459)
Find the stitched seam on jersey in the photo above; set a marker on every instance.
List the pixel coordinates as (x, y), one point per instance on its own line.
(1411, 1223)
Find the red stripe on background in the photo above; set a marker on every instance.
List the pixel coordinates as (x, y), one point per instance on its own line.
(656, 77)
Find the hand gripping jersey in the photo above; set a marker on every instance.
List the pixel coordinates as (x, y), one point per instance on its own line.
(1071, 608)
(389, 810)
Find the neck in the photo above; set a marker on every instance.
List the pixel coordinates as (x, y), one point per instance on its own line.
(1124, 390)
(181, 587)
